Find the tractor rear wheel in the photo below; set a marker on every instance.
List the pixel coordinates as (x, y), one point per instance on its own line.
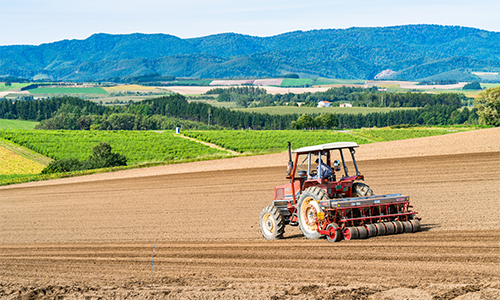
(360, 189)
(272, 223)
(308, 208)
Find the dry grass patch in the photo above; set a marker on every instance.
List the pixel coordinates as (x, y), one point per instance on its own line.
(13, 163)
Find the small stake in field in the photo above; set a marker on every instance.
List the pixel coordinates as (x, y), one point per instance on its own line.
(152, 261)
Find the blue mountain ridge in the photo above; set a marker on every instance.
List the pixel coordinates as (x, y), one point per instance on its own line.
(412, 51)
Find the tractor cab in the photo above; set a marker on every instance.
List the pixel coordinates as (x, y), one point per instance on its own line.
(325, 166)
(323, 162)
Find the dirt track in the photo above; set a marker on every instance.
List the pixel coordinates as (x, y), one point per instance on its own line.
(95, 238)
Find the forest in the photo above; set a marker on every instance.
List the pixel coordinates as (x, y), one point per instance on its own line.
(250, 96)
(169, 112)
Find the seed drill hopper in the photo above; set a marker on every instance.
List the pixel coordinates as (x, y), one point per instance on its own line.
(324, 200)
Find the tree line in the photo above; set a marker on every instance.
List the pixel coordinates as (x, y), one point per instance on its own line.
(430, 115)
(38, 110)
(357, 96)
(139, 79)
(177, 106)
(438, 82)
(169, 112)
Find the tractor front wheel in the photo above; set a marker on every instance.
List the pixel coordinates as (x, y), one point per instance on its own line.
(308, 208)
(272, 224)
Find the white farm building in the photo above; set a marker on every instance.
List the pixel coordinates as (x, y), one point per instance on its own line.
(323, 104)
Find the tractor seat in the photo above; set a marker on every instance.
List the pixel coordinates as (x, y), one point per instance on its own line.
(302, 173)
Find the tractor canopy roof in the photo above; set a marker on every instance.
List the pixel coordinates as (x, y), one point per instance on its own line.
(323, 147)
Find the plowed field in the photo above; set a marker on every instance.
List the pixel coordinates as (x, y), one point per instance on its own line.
(93, 236)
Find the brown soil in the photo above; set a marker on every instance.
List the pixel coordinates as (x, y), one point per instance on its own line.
(94, 238)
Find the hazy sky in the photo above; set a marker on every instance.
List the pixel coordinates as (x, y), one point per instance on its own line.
(43, 21)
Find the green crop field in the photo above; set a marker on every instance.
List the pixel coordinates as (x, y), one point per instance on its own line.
(289, 82)
(13, 86)
(138, 146)
(129, 87)
(389, 134)
(271, 141)
(17, 124)
(15, 178)
(285, 110)
(68, 90)
(489, 85)
(327, 81)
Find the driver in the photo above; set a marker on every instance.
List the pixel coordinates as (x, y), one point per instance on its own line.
(324, 170)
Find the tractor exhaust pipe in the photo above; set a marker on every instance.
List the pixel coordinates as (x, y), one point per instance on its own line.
(289, 152)
(289, 167)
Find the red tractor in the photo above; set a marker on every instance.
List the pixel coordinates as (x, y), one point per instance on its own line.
(324, 200)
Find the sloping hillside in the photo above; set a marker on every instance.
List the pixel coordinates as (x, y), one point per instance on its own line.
(411, 51)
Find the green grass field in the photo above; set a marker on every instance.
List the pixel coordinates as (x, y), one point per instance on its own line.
(17, 124)
(271, 141)
(129, 87)
(389, 134)
(68, 90)
(468, 93)
(146, 148)
(15, 178)
(284, 110)
(290, 82)
(6, 179)
(489, 85)
(13, 87)
(138, 146)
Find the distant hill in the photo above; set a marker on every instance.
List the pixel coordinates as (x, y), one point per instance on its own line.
(410, 52)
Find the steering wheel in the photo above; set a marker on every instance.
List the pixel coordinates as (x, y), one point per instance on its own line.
(314, 173)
